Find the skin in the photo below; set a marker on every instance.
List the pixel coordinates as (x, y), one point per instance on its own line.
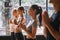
(33, 34)
(45, 18)
(15, 14)
(20, 12)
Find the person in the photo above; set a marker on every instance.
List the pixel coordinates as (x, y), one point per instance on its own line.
(21, 19)
(32, 25)
(12, 26)
(52, 25)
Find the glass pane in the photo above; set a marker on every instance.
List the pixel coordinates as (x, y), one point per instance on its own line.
(4, 16)
(50, 9)
(41, 3)
(15, 4)
(2, 28)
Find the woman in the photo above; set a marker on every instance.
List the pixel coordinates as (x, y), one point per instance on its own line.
(21, 19)
(12, 25)
(31, 31)
(52, 25)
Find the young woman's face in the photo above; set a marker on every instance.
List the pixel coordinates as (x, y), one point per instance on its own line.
(31, 12)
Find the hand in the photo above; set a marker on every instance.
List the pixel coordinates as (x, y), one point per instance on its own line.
(45, 18)
(22, 26)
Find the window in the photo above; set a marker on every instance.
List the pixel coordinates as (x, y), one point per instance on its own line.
(2, 29)
(50, 9)
(26, 4)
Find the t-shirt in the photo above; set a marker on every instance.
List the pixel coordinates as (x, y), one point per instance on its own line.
(55, 24)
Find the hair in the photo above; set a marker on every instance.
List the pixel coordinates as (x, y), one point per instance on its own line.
(21, 8)
(38, 11)
(15, 10)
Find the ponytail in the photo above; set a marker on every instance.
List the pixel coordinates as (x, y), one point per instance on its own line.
(38, 12)
(40, 16)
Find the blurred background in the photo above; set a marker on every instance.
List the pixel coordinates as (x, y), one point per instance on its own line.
(6, 7)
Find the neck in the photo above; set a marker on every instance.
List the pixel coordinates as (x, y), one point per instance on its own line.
(34, 17)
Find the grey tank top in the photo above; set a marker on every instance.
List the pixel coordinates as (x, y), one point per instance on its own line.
(34, 24)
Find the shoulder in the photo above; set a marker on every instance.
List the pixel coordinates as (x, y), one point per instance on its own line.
(34, 23)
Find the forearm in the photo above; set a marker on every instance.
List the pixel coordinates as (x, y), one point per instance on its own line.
(45, 32)
(54, 33)
(30, 34)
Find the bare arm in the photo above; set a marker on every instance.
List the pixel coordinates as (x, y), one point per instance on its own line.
(54, 33)
(45, 31)
(34, 31)
(23, 21)
(32, 35)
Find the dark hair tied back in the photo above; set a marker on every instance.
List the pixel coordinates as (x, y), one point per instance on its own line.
(38, 11)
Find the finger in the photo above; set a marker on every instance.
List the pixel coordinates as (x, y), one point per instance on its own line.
(45, 13)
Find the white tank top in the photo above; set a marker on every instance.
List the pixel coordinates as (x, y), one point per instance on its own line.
(12, 26)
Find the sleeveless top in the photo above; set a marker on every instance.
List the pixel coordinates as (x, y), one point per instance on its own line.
(31, 24)
(14, 26)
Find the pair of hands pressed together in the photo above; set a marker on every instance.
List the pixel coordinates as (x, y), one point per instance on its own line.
(45, 18)
(22, 26)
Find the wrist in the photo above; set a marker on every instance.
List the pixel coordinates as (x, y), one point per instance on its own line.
(48, 25)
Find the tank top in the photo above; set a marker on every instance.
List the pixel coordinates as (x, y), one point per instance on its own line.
(32, 23)
(12, 26)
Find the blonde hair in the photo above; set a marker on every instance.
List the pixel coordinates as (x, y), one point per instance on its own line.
(14, 11)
